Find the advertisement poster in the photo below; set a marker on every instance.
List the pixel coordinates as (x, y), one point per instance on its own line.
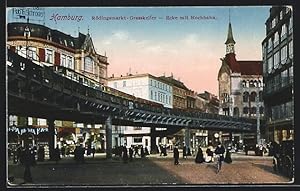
(152, 96)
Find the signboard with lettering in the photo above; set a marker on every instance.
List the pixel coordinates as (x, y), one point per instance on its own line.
(21, 131)
(32, 13)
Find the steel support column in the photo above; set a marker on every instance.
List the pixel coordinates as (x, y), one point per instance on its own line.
(52, 137)
(108, 131)
(187, 138)
(153, 141)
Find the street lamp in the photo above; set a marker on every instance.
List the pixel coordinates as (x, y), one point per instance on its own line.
(26, 32)
(258, 139)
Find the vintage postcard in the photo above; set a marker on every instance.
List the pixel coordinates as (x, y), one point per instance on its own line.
(150, 96)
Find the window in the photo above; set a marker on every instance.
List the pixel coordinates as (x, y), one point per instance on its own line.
(63, 61)
(251, 84)
(88, 64)
(291, 25)
(115, 85)
(261, 110)
(253, 96)
(260, 95)
(270, 44)
(70, 62)
(245, 97)
(124, 83)
(253, 110)
(155, 95)
(49, 56)
(291, 49)
(291, 74)
(276, 60)
(245, 110)
(151, 94)
(283, 55)
(154, 83)
(31, 53)
(151, 82)
(283, 32)
(284, 77)
(244, 84)
(273, 22)
(276, 39)
(236, 112)
(270, 64)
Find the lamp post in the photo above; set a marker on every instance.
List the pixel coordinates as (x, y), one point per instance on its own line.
(27, 32)
(258, 138)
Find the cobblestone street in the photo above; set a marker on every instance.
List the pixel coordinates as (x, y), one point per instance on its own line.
(150, 171)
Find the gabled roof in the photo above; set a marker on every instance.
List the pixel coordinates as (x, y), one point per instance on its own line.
(176, 83)
(41, 31)
(245, 67)
(251, 67)
(232, 62)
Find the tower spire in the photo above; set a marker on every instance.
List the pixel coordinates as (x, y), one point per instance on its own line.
(229, 41)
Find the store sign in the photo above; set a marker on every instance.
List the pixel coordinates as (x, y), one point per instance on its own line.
(33, 13)
(21, 131)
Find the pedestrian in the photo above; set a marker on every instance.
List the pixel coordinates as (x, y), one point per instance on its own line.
(161, 149)
(209, 155)
(56, 154)
(165, 150)
(41, 153)
(146, 151)
(199, 156)
(130, 153)
(184, 152)
(93, 151)
(81, 153)
(63, 151)
(228, 157)
(142, 152)
(136, 151)
(220, 150)
(246, 149)
(176, 155)
(28, 162)
(125, 154)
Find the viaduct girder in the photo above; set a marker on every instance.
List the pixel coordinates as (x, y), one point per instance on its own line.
(38, 91)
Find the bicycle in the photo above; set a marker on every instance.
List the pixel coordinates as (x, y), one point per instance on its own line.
(219, 162)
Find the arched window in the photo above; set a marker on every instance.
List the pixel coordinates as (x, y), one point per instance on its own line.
(244, 84)
(251, 84)
(245, 97)
(255, 83)
(261, 109)
(260, 94)
(236, 112)
(245, 110)
(253, 96)
(253, 110)
(88, 64)
(259, 84)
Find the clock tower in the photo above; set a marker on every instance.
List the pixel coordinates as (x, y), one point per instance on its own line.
(229, 42)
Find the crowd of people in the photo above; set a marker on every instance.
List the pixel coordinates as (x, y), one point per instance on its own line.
(127, 154)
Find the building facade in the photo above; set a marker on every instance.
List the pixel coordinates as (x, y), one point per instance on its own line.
(240, 87)
(144, 86)
(278, 74)
(53, 48)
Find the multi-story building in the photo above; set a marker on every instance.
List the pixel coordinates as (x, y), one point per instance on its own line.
(144, 86)
(240, 87)
(208, 103)
(278, 74)
(179, 92)
(53, 48)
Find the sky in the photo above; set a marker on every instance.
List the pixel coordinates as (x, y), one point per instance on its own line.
(168, 43)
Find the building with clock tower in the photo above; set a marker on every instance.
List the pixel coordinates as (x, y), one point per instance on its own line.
(240, 88)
